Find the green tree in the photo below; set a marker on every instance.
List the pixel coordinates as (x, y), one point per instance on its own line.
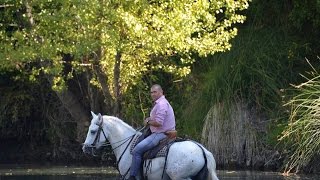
(114, 41)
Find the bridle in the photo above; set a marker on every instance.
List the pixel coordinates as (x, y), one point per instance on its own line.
(97, 138)
(123, 141)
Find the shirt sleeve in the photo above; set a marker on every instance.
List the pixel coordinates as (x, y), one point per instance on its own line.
(161, 112)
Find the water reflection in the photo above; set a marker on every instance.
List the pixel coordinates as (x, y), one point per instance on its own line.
(259, 175)
(58, 177)
(107, 173)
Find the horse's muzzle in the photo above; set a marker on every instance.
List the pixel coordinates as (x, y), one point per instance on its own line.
(91, 150)
(87, 149)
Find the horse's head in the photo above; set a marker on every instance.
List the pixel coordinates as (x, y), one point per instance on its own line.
(96, 136)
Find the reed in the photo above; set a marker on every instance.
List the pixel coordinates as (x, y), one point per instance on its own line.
(255, 70)
(302, 134)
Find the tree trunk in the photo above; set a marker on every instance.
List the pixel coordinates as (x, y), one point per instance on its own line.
(67, 98)
(81, 116)
(116, 82)
(29, 14)
(103, 80)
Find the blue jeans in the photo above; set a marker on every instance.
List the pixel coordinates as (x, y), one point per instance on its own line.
(138, 151)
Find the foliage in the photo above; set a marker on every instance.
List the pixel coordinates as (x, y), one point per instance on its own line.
(257, 69)
(20, 101)
(130, 40)
(302, 134)
(264, 60)
(15, 109)
(157, 41)
(125, 38)
(305, 15)
(298, 17)
(137, 104)
(138, 101)
(33, 123)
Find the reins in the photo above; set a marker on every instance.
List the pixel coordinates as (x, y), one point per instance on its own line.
(108, 143)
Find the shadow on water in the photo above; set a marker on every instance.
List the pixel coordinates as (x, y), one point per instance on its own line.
(109, 173)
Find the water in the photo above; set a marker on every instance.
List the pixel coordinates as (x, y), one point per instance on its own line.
(108, 173)
(57, 177)
(259, 175)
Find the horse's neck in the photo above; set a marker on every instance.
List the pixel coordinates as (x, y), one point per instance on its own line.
(120, 137)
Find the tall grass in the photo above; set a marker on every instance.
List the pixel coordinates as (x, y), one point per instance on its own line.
(302, 135)
(255, 70)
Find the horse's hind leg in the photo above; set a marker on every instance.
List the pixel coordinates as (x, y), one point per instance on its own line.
(179, 175)
(185, 160)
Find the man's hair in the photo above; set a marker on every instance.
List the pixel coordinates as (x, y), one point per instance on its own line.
(157, 86)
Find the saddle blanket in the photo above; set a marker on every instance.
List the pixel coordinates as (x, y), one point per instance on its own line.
(158, 151)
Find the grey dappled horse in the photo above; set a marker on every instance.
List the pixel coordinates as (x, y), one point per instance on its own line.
(184, 161)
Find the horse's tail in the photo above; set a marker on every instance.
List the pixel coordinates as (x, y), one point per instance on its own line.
(211, 165)
(208, 171)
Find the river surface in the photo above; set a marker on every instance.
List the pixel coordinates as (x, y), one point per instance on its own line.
(109, 173)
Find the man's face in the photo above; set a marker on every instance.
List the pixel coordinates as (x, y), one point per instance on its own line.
(155, 94)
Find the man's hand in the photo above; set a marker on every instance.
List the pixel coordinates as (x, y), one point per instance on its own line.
(146, 121)
(151, 122)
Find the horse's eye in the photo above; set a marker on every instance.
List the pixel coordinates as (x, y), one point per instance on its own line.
(92, 131)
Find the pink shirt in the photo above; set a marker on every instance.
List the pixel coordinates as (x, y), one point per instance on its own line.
(162, 112)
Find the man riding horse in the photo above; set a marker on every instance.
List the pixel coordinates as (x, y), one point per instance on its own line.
(161, 121)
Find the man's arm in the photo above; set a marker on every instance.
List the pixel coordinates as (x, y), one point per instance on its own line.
(159, 116)
(152, 122)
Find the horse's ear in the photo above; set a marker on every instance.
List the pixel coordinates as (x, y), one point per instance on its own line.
(93, 114)
(100, 118)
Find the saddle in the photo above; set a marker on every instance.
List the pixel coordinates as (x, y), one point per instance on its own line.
(161, 149)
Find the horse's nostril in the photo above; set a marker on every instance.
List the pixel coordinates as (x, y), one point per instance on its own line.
(85, 150)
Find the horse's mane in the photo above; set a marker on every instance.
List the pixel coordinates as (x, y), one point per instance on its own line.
(113, 118)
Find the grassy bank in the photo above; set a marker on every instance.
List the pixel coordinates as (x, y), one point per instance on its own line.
(257, 69)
